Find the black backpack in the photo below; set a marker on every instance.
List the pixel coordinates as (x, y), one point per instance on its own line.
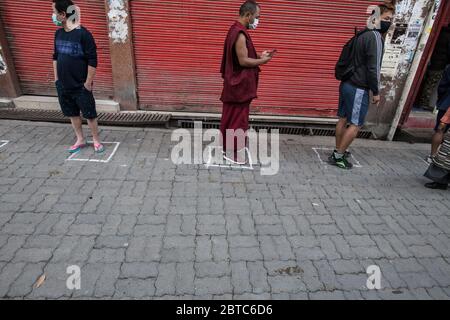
(345, 66)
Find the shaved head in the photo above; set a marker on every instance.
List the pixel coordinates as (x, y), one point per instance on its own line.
(248, 7)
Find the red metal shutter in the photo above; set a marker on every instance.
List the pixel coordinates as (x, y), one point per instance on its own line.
(179, 44)
(30, 34)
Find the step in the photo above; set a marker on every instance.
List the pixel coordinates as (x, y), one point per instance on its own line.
(52, 104)
(6, 103)
(421, 120)
(104, 118)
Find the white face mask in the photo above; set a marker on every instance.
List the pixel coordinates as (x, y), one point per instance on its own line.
(254, 25)
(56, 21)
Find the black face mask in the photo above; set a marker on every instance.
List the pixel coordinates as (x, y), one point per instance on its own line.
(385, 25)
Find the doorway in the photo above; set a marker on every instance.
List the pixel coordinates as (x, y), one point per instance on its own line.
(424, 110)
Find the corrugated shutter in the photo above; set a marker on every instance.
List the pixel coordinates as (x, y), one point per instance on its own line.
(178, 48)
(30, 34)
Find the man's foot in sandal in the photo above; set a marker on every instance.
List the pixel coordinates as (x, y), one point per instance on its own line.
(99, 148)
(77, 147)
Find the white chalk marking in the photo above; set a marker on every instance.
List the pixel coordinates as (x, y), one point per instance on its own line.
(117, 144)
(209, 164)
(3, 143)
(356, 164)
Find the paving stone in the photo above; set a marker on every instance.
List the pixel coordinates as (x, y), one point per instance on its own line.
(213, 286)
(156, 230)
(141, 270)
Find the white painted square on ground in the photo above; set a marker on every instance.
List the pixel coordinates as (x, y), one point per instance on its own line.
(88, 154)
(320, 152)
(209, 163)
(3, 143)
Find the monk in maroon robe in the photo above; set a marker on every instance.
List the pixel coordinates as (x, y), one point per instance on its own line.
(240, 71)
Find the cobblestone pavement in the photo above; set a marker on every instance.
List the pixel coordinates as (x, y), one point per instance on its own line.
(141, 227)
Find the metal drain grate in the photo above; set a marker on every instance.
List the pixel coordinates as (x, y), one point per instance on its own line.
(283, 129)
(115, 119)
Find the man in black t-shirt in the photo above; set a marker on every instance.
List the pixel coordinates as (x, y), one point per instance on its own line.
(75, 63)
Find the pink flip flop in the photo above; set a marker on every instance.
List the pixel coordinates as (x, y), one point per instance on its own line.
(99, 148)
(76, 148)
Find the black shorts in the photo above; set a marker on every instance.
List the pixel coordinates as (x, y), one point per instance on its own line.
(440, 115)
(77, 101)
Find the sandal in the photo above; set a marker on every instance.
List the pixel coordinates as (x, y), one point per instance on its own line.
(77, 148)
(99, 148)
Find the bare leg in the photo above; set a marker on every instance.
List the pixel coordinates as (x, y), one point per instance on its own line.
(77, 125)
(436, 141)
(350, 134)
(93, 125)
(340, 130)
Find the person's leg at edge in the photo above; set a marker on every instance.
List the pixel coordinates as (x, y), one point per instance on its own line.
(436, 186)
(436, 141)
(434, 173)
(439, 132)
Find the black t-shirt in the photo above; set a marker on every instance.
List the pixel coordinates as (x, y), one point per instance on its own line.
(74, 51)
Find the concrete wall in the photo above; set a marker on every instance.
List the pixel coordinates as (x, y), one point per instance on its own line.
(9, 83)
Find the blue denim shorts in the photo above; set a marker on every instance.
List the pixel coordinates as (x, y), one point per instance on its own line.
(353, 104)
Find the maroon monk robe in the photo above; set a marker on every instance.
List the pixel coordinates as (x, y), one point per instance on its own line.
(239, 87)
